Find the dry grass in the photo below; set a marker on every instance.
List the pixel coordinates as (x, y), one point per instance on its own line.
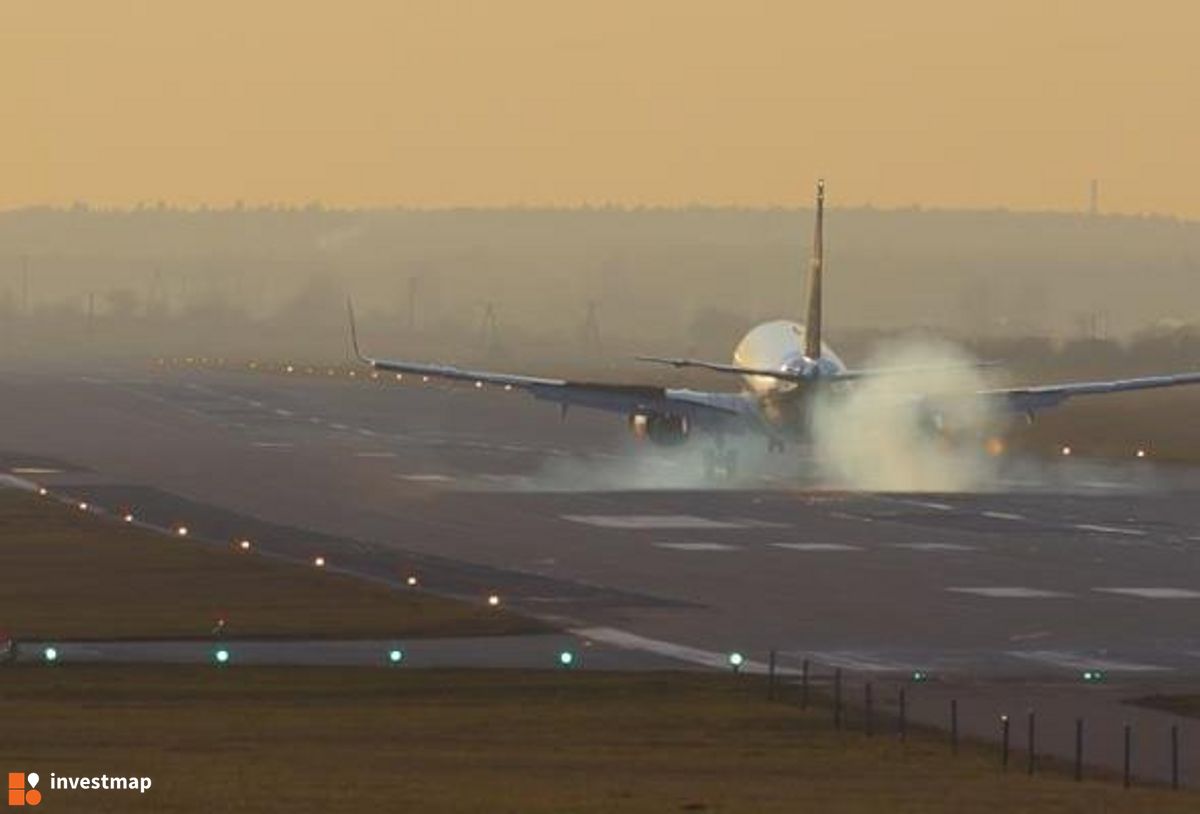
(363, 739)
(71, 575)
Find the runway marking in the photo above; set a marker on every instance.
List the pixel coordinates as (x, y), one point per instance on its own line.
(283, 412)
(697, 546)
(254, 403)
(652, 521)
(844, 516)
(272, 444)
(855, 661)
(1153, 593)
(681, 652)
(1081, 661)
(374, 455)
(1028, 637)
(1110, 530)
(1102, 484)
(366, 432)
(935, 546)
(1010, 592)
(34, 470)
(817, 546)
(427, 478)
(1003, 515)
(926, 504)
(339, 426)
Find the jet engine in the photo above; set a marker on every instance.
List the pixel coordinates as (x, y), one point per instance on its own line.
(664, 429)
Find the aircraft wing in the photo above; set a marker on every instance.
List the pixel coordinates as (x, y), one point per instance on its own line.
(703, 408)
(1031, 399)
(801, 378)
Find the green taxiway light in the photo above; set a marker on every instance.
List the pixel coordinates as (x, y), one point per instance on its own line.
(50, 654)
(566, 658)
(736, 660)
(1093, 676)
(222, 656)
(395, 656)
(919, 676)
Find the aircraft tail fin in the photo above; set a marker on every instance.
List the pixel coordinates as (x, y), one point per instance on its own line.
(812, 322)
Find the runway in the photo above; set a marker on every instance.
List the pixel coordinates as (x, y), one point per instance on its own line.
(1072, 566)
(389, 479)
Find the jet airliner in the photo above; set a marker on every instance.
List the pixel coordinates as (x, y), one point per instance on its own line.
(783, 366)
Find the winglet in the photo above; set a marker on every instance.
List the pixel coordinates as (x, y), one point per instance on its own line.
(354, 333)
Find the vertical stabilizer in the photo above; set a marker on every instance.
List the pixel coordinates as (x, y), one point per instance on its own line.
(812, 323)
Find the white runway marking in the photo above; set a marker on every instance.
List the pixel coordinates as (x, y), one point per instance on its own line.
(856, 661)
(697, 546)
(272, 444)
(283, 412)
(374, 455)
(339, 426)
(1081, 661)
(1003, 515)
(681, 652)
(34, 470)
(1153, 593)
(817, 546)
(651, 521)
(427, 478)
(926, 504)
(1110, 530)
(935, 546)
(1010, 592)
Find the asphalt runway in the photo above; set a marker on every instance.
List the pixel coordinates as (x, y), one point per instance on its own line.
(1067, 566)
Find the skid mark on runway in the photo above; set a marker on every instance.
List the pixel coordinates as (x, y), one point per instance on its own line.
(697, 546)
(1010, 592)
(817, 546)
(653, 521)
(935, 546)
(1073, 660)
(1152, 593)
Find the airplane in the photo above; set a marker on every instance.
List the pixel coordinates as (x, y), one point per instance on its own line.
(783, 365)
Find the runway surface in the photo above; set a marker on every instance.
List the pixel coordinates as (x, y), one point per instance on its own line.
(1069, 566)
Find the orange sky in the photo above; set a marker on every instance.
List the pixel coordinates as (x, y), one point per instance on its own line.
(490, 102)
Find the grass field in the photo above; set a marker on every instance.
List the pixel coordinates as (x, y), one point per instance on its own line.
(362, 739)
(67, 574)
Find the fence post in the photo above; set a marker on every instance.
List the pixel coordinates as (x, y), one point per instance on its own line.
(837, 698)
(1004, 741)
(771, 676)
(903, 723)
(868, 711)
(1032, 745)
(1078, 749)
(1175, 756)
(954, 726)
(804, 685)
(1128, 749)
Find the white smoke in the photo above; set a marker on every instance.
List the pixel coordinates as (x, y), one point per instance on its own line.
(917, 430)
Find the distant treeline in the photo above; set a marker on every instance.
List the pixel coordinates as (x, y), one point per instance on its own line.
(548, 283)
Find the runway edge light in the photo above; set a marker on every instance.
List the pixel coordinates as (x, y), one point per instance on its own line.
(50, 654)
(221, 656)
(736, 660)
(395, 655)
(566, 658)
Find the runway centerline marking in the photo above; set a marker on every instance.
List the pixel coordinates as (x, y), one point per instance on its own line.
(1003, 515)
(1152, 593)
(698, 546)
(430, 477)
(654, 521)
(1010, 592)
(1081, 661)
(817, 546)
(1110, 529)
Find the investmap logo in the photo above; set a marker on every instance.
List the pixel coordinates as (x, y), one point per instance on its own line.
(22, 789)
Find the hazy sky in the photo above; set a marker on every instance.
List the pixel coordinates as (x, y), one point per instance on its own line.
(443, 102)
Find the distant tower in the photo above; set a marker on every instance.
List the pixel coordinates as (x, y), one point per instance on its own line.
(489, 330)
(1094, 198)
(591, 329)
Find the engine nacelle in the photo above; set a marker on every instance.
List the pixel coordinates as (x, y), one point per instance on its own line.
(664, 429)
